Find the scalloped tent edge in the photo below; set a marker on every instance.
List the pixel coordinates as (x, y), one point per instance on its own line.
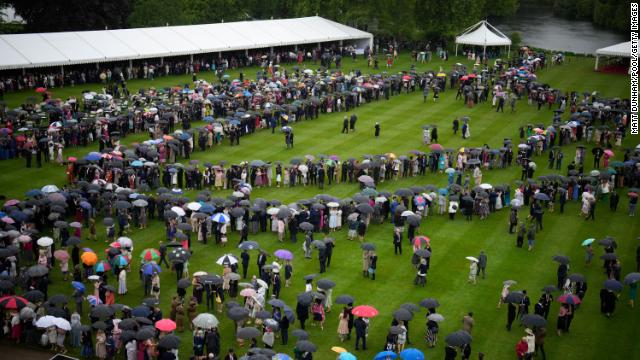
(483, 34)
(20, 51)
(618, 50)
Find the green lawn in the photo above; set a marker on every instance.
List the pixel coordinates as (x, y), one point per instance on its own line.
(401, 119)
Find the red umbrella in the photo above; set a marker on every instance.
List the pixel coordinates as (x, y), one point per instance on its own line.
(632, 194)
(165, 325)
(421, 240)
(464, 78)
(115, 244)
(40, 90)
(436, 147)
(472, 76)
(364, 311)
(61, 255)
(72, 159)
(13, 302)
(569, 299)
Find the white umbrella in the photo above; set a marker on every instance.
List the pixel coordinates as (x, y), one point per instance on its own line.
(62, 323)
(205, 321)
(178, 210)
(229, 259)
(407, 213)
(435, 317)
(261, 283)
(516, 203)
(45, 241)
(272, 210)
(125, 242)
(381, 199)
(303, 168)
(200, 273)
(333, 204)
(47, 189)
(471, 258)
(237, 194)
(486, 186)
(46, 321)
(194, 206)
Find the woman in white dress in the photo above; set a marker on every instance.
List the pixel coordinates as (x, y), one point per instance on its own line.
(122, 282)
(333, 219)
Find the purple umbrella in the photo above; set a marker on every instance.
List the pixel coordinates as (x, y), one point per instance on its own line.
(284, 254)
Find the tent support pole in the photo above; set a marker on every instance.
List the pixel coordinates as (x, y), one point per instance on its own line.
(130, 64)
(484, 52)
(62, 72)
(24, 71)
(456, 49)
(509, 52)
(296, 49)
(271, 50)
(161, 61)
(191, 58)
(597, 59)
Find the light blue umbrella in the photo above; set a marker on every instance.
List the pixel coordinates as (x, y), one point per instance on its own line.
(588, 242)
(347, 356)
(385, 355)
(412, 354)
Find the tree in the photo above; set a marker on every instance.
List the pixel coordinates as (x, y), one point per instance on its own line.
(501, 7)
(68, 15)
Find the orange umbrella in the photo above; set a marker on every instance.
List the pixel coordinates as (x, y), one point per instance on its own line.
(89, 258)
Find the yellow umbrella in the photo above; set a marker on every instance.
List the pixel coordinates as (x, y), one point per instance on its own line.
(338, 349)
(391, 155)
(441, 74)
(461, 149)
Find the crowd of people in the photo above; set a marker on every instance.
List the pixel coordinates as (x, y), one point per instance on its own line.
(130, 187)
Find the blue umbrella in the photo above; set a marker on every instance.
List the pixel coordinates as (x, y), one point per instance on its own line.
(207, 209)
(412, 354)
(384, 355)
(93, 156)
(184, 137)
(33, 193)
(85, 205)
(140, 311)
(234, 122)
(281, 356)
(78, 286)
(246, 93)
(137, 163)
(346, 356)
(208, 118)
(150, 268)
(220, 218)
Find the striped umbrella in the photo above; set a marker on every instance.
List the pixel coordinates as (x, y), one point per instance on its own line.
(150, 255)
(13, 302)
(120, 261)
(102, 266)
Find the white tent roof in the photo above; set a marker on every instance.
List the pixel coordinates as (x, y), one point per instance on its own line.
(622, 49)
(483, 34)
(68, 48)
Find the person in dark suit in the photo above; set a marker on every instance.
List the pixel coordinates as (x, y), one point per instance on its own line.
(345, 125)
(377, 130)
(361, 332)
(322, 259)
(397, 241)
(245, 262)
(302, 311)
(352, 122)
(262, 260)
(277, 283)
(212, 341)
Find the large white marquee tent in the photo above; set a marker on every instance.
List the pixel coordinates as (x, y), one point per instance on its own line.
(19, 51)
(618, 50)
(483, 34)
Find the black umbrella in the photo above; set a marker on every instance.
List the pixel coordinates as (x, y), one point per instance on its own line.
(541, 196)
(613, 285)
(396, 330)
(73, 240)
(310, 277)
(300, 334)
(423, 253)
(141, 311)
(368, 246)
(325, 284)
(283, 213)
(37, 270)
(58, 299)
(514, 297)
(128, 324)
(145, 334)
(533, 320)
(306, 226)
(99, 325)
(143, 320)
(404, 192)
(237, 313)
(318, 244)
(458, 338)
(262, 314)
(169, 341)
(305, 299)
(6, 284)
(122, 205)
(211, 279)
(107, 221)
(609, 256)
(184, 283)
(549, 289)
(179, 255)
(410, 306)
(344, 299)
(102, 311)
(34, 296)
(402, 315)
(276, 303)
(127, 335)
(429, 303)
(413, 220)
(562, 259)
(247, 333)
(629, 279)
(151, 302)
(577, 277)
(237, 212)
(607, 242)
(305, 345)
(365, 208)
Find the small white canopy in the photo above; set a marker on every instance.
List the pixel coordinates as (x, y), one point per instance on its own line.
(483, 34)
(621, 50)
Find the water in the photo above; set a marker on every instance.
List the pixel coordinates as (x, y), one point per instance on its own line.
(539, 28)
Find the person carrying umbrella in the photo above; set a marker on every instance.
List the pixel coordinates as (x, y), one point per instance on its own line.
(361, 332)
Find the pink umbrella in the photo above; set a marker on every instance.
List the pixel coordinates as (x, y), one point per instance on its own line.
(7, 220)
(421, 240)
(61, 255)
(436, 147)
(607, 152)
(165, 325)
(247, 292)
(12, 202)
